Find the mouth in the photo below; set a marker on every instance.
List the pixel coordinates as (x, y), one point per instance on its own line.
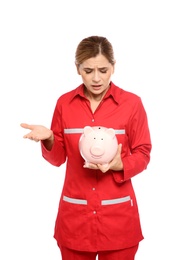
(96, 157)
(96, 87)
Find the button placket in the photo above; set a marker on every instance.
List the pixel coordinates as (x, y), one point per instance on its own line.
(94, 212)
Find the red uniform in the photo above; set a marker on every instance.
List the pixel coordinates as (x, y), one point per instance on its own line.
(98, 211)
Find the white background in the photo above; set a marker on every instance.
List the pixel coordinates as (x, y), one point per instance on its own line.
(37, 45)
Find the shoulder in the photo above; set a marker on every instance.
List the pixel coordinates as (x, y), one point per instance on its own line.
(68, 96)
(123, 95)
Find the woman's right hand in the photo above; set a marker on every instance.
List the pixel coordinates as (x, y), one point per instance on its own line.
(38, 133)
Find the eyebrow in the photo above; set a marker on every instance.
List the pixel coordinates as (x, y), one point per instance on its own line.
(87, 68)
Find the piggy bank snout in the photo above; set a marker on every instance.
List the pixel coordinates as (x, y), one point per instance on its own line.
(97, 150)
(98, 144)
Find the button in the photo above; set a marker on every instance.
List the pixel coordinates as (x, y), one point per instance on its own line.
(93, 188)
(93, 120)
(94, 212)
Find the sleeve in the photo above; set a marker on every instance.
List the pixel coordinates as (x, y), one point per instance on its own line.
(57, 155)
(139, 145)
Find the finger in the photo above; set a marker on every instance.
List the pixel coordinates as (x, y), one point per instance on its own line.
(119, 148)
(28, 137)
(103, 167)
(33, 139)
(27, 126)
(90, 166)
(24, 125)
(118, 153)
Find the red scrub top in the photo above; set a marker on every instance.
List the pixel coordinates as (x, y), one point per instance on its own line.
(98, 211)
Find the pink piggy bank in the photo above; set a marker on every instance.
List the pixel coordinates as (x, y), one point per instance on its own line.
(98, 144)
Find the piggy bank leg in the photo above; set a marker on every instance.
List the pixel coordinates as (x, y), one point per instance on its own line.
(105, 165)
(86, 164)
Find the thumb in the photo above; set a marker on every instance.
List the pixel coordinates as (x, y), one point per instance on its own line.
(119, 148)
(26, 126)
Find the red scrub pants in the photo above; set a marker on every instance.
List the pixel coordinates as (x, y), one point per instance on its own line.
(124, 254)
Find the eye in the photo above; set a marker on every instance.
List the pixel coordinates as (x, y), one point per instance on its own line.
(88, 71)
(103, 71)
(102, 139)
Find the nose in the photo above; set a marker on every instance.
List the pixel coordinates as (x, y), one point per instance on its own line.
(96, 76)
(97, 150)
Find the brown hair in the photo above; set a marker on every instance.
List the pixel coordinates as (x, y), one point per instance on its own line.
(92, 46)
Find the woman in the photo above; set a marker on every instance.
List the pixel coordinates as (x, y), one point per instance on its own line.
(85, 226)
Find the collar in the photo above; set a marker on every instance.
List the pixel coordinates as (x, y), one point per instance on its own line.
(113, 92)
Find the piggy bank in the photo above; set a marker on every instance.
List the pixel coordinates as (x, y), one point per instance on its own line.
(98, 144)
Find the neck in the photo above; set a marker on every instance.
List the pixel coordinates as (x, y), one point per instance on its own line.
(95, 97)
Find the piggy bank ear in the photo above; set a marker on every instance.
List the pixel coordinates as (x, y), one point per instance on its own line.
(111, 132)
(87, 130)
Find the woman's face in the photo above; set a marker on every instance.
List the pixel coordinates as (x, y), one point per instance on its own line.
(96, 75)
